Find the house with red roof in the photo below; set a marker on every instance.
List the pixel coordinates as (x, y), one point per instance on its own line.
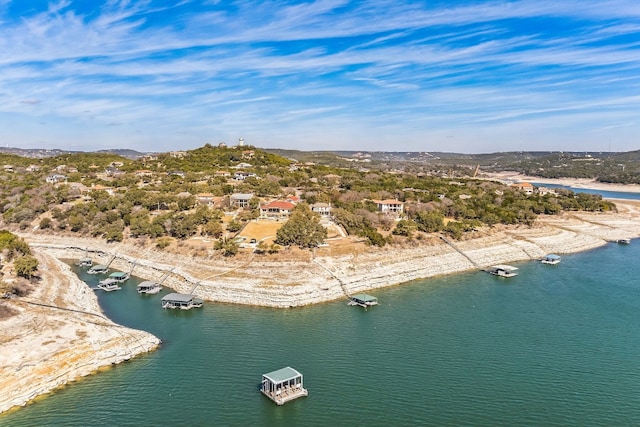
(277, 209)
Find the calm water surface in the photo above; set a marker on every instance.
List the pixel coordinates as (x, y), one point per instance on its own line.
(555, 346)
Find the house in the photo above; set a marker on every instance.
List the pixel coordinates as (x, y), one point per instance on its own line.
(176, 173)
(543, 191)
(248, 154)
(291, 198)
(242, 165)
(324, 209)
(178, 154)
(277, 209)
(56, 178)
(8, 168)
(32, 168)
(143, 172)
(113, 171)
(241, 176)
(390, 206)
(525, 187)
(205, 199)
(222, 174)
(97, 187)
(240, 200)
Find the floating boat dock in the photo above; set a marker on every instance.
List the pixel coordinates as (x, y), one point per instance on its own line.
(85, 262)
(363, 300)
(182, 301)
(149, 287)
(98, 269)
(109, 285)
(119, 276)
(502, 270)
(283, 385)
(551, 259)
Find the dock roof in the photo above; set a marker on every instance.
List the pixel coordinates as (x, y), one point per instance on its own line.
(147, 283)
(281, 375)
(364, 297)
(118, 274)
(504, 267)
(552, 256)
(177, 297)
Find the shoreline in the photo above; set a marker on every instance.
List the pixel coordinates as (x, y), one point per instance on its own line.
(282, 282)
(58, 336)
(581, 183)
(277, 282)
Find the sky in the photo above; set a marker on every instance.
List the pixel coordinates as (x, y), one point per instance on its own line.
(466, 76)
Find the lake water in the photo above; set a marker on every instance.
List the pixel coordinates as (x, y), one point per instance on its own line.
(555, 346)
(605, 194)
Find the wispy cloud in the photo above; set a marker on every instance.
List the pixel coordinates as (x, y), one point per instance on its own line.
(373, 72)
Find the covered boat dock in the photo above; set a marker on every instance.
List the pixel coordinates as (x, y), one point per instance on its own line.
(149, 287)
(98, 269)
(283, 385)
(503, 270)
(551, 259)
(363, 300)
(182, 301)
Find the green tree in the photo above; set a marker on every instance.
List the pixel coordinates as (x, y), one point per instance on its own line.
(302, 229)
(26, 266)
(405, 227)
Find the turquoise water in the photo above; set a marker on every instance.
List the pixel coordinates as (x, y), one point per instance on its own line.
(554, 346)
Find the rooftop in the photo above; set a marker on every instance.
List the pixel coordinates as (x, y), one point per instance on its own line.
(282, 375)
(177, 297)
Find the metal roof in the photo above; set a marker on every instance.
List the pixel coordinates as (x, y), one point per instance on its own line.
(177, 297)
(147, 283)
(118, 274)
(364, 297)
(504, 267)
(282, 375)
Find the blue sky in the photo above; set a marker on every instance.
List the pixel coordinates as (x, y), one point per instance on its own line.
(392, 75)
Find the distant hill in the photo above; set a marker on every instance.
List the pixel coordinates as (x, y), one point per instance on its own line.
(39, 153)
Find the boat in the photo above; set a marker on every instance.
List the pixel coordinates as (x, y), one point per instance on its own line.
(624, 241)
(182, 301)
(149, 287)
(551, 259)
(98, 269)
(503, 270)
(363, 300)
(85, 262)
(109, 285)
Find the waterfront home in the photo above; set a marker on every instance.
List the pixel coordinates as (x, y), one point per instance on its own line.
(525, 187)
(394, 207)
(283, 385)
(240, 200)
(324, 209)
(276, 209)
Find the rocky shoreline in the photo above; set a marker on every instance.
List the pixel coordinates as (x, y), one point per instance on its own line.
(58, 336)
(47, 346)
